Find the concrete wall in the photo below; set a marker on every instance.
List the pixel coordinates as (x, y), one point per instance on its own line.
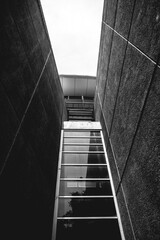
(31, 112)
(127, 103)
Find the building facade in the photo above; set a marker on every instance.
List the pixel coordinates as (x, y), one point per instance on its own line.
(32, 111)
(127, 105)
(32, 105)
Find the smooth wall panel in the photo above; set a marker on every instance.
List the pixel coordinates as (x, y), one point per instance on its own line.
(136, 77)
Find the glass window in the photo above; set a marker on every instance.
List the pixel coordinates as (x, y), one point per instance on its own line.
(83, 158)
(81, 133)
(87, 229)
(82, 140)
(82, 148)
(84, 171)
(86, 207)
(85, 188)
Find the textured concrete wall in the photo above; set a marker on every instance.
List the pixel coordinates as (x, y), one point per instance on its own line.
(127, 103)
(31, 110)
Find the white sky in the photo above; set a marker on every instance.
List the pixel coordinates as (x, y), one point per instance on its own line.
(74, 28)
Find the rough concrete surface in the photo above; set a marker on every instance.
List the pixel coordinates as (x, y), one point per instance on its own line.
(141, 178)
(135, 80)
(109, 12)
(125, 218)
(124, 17)
(104, 60)
(113, 77)
(32, 108)
(131, 112)
(146, 27)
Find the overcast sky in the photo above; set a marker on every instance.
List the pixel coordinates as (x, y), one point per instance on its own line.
(74, 28)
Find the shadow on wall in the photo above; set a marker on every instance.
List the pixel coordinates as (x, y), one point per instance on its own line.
(32, 110)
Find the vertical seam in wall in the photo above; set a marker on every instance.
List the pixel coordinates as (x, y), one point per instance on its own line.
(46, 30)
(110, 52)
(38, 42)
(129, 216)
(118, 174)
(100, 52)
(118, 89)
(21, 122)
(100, 43)
(47, 34)
(156, 65)
(141, 113)
(109, 137)
(110, 130)
(103, 9)
(44, 22)
(137, 126)
(35, 29)
(39, 45)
